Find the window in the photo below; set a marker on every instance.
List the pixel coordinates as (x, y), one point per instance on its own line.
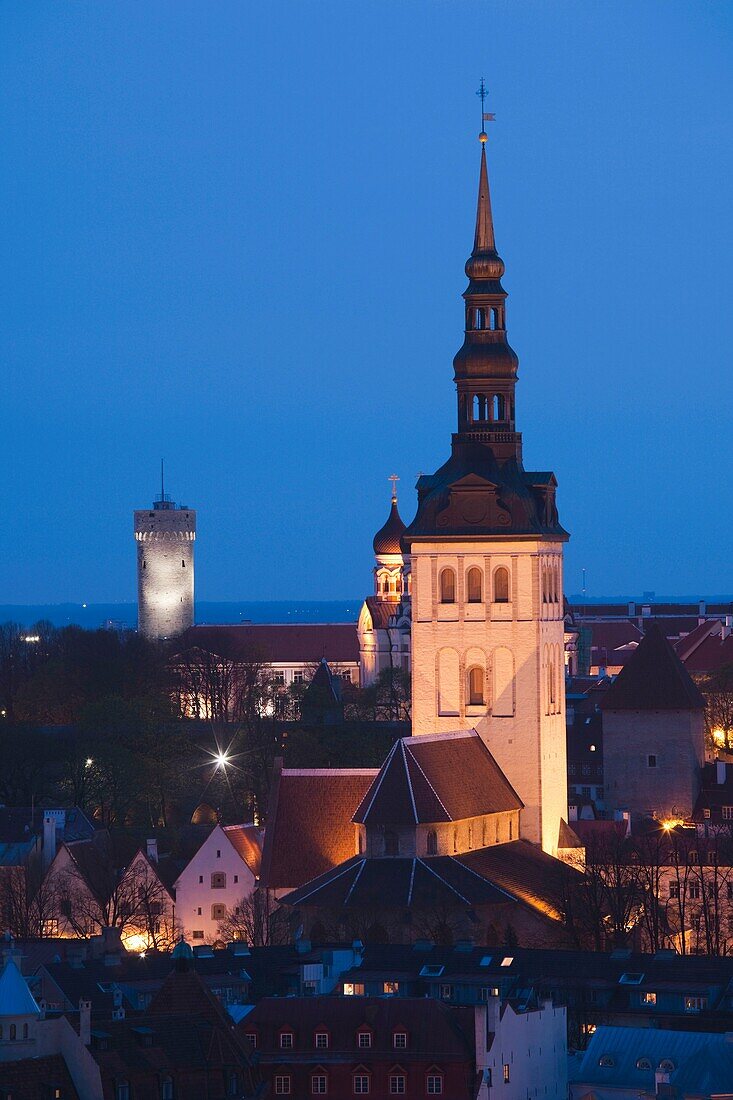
(166, 1091)
(399, 1040)
(474, 585)
(201, 880)
(727, 812)
(361, 1084)
(706, 813)
(434, 1084)
(667, 1065)
(501, 585)
(497, 407)
(694, 1003)
(448, 586)
(651, 760)
(13, 1031)
(282, 1085)
(391, 843)
(353, 989)
(252, 1036)
(507, 1078)
(674, 888)
(694, 891)
(218, 912)
(390, 987)
(197, 934)
(648, 998)
(432, 842)
(606, 1061)
(236, 878)
(643, 1063)
(218, 880)
(286, 1040)
(397, 1084)
(364, 1040)
(446, 992)
(319, 1084)
(476, 686)
(123, 1090)
(321, 1040)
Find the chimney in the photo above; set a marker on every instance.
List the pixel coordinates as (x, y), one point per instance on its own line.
(49, 840)
(725, 627)
(152, 849)
(721, 772)
(632, 609)
(85, 1022)
(702, 609)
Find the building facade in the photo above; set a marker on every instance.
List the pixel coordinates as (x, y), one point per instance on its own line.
(485, 561)
(165, 537)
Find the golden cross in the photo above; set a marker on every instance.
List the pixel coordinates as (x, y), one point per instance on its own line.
(394, 479)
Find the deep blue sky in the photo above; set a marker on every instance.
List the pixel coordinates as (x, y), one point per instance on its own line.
(233, 234)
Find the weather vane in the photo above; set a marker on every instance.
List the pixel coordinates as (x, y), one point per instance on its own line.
(394, 479)
(485, 117)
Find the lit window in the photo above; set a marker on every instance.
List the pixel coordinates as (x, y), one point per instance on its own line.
(506, 1073)
(390, 987)
(397, 1084)
(694, 1003)
(286, 1040)
(400, 1040)
(648, 998)
(353, 989)
(282, 1085)
(364, 1040)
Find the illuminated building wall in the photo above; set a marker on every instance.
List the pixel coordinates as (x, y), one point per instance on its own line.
(165, 538)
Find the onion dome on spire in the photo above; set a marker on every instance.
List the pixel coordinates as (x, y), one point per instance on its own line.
(387, 538)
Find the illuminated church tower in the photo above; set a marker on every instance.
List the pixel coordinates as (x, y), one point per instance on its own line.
(485, 552)
(165, 538)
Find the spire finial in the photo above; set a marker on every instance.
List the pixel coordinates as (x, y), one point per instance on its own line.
(482, 94)
(394, 479)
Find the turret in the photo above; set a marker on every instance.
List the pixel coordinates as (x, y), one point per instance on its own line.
(165, 537)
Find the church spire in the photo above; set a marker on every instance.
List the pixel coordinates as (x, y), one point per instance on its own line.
(486, 366)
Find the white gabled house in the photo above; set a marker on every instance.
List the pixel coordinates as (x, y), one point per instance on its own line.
(223, 872)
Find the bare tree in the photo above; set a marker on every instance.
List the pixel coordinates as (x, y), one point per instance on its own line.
(257, 919)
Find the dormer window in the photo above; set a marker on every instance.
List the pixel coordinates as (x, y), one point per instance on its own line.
(399, 1040)
(286, 1040)
(364, 1040)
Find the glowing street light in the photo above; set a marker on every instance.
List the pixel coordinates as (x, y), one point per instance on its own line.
(221, 759)
(88, 763)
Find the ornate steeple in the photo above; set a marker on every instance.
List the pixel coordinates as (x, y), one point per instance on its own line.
(486, 366)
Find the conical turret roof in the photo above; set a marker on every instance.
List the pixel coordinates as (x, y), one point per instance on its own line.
(653, 679)
(16, 998)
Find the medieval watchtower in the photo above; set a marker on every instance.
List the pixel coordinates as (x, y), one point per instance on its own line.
(165, 538)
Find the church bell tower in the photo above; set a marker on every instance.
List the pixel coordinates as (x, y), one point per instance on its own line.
(486, 550)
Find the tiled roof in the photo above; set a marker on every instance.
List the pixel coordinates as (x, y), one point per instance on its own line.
(444, 1032)
(17, 823)
(37, 1079)
(610, 636)
(525, 872)
(397, 883)
(654, 679)
(443, 778)
(309, 827)
(711, 655)
(381, 612)
(247, 843)
(276, 643)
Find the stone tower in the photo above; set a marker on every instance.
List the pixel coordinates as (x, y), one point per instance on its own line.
(165, 539)
(485, 555)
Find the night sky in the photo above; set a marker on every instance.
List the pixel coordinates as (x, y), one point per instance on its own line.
(233, 235)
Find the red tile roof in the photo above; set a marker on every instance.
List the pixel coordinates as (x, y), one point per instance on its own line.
(37, 1079)
(711, 655)
(447, 777)
(276, 643)
(309, 827)
(247, 843)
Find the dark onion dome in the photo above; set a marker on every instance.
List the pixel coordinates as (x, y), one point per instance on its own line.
(495, 360)
(387, 538)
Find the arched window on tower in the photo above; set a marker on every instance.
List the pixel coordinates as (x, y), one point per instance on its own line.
(476, 686)
(448, 586)
(501, 585)
(432, 843)
(497, 407)
(480, 319)
(474, 585)
(494, 318)
(480, 407)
